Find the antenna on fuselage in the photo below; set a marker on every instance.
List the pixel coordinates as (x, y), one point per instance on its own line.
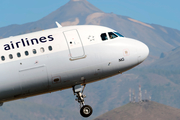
(59, 25)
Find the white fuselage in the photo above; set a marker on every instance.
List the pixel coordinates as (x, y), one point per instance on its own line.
(60, 58)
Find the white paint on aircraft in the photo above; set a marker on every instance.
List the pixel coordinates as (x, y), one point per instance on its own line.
(62, 58)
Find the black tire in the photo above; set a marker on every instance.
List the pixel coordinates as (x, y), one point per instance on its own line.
(86, 111)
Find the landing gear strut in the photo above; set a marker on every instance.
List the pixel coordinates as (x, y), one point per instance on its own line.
(85, 110)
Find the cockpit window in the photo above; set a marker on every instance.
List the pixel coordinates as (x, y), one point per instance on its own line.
(104, 36)
(112, 35)
(118, 34)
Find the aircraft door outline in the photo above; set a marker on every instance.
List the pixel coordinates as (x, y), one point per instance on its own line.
(75, 45)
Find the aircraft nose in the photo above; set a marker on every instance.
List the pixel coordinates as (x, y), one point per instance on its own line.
(143, 52)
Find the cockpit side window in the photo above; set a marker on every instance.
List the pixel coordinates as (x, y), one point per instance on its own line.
(118, 34)
(112, 35)
(104, 36)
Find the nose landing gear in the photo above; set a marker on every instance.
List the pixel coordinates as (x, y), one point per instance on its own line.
(85, 110)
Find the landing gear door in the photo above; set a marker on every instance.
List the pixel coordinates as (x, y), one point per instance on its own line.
(76, 49)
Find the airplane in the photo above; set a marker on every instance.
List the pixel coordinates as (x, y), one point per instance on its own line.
(62, 58)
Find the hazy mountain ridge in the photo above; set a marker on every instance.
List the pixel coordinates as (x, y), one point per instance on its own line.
(111, 93)
(142, 111)
(160, 87)
(155, 37)
(68, 12)
(21, 110)
(162, 84)
(158, 38)
(168, 60)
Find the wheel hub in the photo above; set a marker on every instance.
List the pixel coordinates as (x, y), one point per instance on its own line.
(86, 110)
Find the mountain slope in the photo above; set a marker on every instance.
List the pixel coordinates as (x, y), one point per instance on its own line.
(107, 94)
(77, 12)
(74, 10)
(21, 110)
(157, 38)
(168, 60)
(142, 111)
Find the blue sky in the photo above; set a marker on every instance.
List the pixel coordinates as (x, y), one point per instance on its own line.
(162, 12)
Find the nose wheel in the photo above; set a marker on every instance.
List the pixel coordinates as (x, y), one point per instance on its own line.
(85, 110)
